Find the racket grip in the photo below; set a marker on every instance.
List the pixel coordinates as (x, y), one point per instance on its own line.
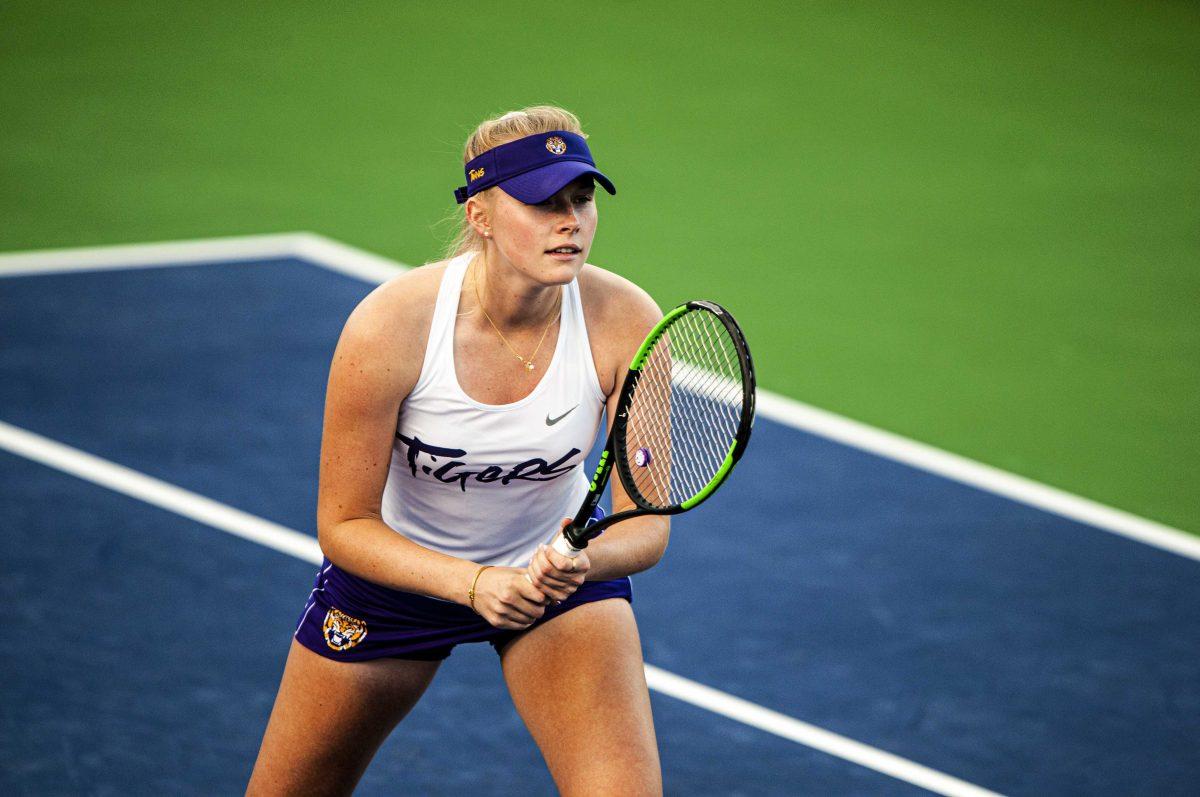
(565, 548)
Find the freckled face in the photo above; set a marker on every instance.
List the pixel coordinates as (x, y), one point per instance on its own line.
(548, 242)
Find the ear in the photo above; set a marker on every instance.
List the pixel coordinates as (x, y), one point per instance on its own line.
(478, 212)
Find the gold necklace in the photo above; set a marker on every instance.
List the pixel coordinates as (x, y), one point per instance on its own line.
(526, 361)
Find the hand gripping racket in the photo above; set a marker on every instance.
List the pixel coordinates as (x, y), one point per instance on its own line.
(682, 421)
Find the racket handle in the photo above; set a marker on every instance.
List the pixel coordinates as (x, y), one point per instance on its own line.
(565, 548)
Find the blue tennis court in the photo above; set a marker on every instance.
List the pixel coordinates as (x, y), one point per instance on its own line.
(953, 632)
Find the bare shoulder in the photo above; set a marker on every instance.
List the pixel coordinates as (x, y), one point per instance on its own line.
(614, 301)
(619, 314)
(388, 330)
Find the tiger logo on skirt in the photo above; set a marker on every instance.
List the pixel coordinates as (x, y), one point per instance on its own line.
(342, 631)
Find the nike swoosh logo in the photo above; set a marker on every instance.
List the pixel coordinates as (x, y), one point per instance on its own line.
(551, 421)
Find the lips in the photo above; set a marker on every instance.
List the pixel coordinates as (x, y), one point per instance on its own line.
(565, 249)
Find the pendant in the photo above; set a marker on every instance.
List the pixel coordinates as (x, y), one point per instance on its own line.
(528, 366)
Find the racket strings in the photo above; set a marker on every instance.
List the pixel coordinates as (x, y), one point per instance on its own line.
(686, 410)
(700, 413)
(648, 430)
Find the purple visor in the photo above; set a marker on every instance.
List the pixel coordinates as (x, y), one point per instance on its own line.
(532, 169)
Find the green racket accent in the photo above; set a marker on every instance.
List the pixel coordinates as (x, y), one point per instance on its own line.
(639, 359)
(726, 466)
(601, 470)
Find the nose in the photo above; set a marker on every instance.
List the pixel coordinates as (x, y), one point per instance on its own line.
(570, 220)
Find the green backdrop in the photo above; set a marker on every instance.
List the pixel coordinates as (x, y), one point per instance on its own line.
(977, 226)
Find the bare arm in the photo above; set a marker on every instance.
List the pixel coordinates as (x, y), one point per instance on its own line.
(633, 545)
(629, 546)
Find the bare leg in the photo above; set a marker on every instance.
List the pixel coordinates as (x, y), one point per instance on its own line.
(329, 719)
(579, 684)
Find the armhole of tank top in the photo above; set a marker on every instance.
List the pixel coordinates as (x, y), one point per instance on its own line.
(443, 307)
(585, 342)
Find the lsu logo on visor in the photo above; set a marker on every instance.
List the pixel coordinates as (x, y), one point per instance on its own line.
(475, 174)
(556, 145)
(342, 631)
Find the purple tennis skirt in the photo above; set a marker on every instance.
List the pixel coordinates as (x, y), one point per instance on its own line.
(348, 618)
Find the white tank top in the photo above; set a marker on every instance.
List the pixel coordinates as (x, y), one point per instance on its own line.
(488, 482)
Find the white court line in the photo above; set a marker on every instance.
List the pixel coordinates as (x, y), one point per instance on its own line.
(336, 256)
(765, 719)
(149, 255)
(156, 492)
(975, 474)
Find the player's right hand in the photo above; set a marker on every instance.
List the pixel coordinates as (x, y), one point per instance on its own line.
(506, 599)
(558, 576)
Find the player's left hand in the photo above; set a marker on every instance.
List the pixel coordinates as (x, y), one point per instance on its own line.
(558, 576)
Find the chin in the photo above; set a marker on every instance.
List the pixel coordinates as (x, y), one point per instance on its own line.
(559, 272)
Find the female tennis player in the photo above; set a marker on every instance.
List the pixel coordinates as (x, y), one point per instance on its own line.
(462, 399)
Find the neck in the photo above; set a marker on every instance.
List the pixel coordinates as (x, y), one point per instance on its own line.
(510, 298)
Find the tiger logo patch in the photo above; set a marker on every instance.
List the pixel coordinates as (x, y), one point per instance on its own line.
(556, 145)
(342, 631)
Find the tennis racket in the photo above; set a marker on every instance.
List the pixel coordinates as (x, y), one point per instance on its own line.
(682, 421)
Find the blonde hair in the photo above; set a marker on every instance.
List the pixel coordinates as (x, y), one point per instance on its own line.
(501, 130)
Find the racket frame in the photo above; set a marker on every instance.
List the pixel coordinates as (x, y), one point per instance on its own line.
(576, 535)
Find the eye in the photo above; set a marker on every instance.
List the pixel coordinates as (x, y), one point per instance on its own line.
(583, 199)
